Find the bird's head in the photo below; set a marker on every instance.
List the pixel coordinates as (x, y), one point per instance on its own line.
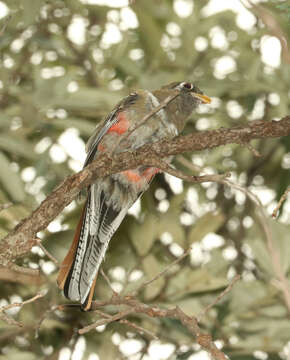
(188, 91)
(190, 96)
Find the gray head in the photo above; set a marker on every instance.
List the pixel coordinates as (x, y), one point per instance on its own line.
(188, 91)
(181, 107)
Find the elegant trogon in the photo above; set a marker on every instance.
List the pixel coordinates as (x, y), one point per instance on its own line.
(109, 198)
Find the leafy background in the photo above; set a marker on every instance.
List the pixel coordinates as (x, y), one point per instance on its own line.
(64, 65)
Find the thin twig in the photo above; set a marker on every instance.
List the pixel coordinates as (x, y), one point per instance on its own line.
(108, 282)
(215, 177)
(24, 270)
(154, 111)
(115, 317)
(219, 297)
(254, 151)
(139, 329)
(188, 164)
(147, 117)
(163, 272)
(282, 199)
(5, 22)
(10, 306)
(272, 24)
(164, 166)
(47, 253)
(9, 319)
(44, 316)
(5, 206)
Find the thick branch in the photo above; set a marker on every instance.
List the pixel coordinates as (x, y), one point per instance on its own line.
(22, 238)
(11, 275)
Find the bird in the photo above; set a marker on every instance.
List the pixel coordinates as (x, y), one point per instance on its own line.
(109, 199)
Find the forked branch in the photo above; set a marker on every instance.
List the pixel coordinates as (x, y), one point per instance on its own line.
(22, 238)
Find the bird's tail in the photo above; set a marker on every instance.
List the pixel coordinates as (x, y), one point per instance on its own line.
(98, 222)
(66, 268)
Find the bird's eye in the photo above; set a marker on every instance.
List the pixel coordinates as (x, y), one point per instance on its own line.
(186, 85)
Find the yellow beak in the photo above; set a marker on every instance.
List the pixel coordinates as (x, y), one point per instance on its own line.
(205, 99)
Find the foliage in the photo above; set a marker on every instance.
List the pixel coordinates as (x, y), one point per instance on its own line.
(284, 7)
(55, 88)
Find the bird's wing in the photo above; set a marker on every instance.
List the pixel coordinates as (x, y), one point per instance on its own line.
(101, 130)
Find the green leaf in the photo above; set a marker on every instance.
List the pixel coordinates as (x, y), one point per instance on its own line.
(279, 234)
(191, 306)
(247, 295)
(144, 235)
(189, 281)
(283, 7)
(276, 310)
(50, 324)
(18, 355)
(120, 252)
(152, 267)
(31, 10)
(151, 33)
(58, 243)
(18, 146)
(209, 222)
(11, 180)
(85, 127)
(89, 99)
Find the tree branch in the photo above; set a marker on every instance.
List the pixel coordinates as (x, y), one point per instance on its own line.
(21, 277)
(9, 319)
(282, 199)
(219, 297)
(135, 306)
(22, 238)
(137, 328)
(165, 167)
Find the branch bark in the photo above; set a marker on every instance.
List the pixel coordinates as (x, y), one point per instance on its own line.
(154, 311)
(22, 238)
